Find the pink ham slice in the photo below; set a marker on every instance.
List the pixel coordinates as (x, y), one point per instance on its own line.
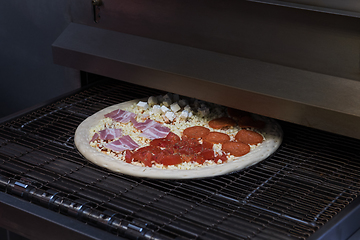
(120, 115)
(95, 137)
(110, 133)
(124, 143)
(151, 129)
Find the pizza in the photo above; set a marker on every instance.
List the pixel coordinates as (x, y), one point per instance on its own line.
(173, 137)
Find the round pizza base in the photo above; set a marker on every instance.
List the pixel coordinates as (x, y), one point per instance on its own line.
(272, 133)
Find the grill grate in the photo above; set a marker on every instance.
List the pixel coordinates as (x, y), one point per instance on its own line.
(310, 179)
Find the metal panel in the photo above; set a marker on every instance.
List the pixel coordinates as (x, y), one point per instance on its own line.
(311, 99)
(307, 40)
(350, 8)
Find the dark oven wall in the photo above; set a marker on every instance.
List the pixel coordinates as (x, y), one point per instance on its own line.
(28, 75)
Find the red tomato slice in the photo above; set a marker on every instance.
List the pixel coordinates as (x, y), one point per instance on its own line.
(172, 159)
(160, 142)
(172, 137)
(128, 156)
(221, 157)
(208, 154)
(199, 159)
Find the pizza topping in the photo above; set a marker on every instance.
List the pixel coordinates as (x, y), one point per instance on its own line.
(152, 101)
(143, 105)
(95, 137)
(249, 137)
(121, 115)
(155, 132)
(151, 129)
(235, 148)
(236, 113)
(222, 122)
(216, 137)
(175, 107)
(172, 150)
(249, 122)
(124, 143)
(110, 134)
(172, 133)
(196, 132)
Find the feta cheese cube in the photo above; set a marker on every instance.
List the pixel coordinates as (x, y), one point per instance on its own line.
(203, 111)
(167, 102)
(187, 108)
(156, 109)
(152, 101)
(170, 115)
(164, 109)
(175, 107)
(143, 105)
(160, 99)
(168, 96)
(183, 102)
(184, 115)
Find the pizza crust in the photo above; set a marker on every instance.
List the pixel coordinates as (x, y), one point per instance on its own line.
(272, 133)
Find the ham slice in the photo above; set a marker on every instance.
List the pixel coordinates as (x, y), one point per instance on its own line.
(124, 143)
(151, 129)
(110, 133)
(121, 115)
(95, 137)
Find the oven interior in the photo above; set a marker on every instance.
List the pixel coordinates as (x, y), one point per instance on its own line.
(300, 192)
(294, 61)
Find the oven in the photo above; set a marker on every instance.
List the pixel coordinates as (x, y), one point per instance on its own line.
(294, 61)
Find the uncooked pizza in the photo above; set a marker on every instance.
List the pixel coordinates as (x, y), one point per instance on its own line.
(173, 137)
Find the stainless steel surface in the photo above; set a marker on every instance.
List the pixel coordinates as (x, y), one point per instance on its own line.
(350, 8)
(311, 99)
(306, 40)
(304, 187)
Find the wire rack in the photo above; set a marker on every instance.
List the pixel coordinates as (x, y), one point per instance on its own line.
(311, 178)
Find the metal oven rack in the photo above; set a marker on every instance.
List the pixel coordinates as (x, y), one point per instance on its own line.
(307, 190)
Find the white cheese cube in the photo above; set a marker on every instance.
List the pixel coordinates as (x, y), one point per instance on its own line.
(197, 103)
(187, 108)
(152, 101)
(156, 109)
(168, 96)
(183, 102)
(170, 115)
(164, 109)
(184, 115)
(160, 99)
(167, 102)
(175, 107)
(203, 111)
(143, 105)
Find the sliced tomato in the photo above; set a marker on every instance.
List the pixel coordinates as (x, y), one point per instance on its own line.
(208, 154)
(145, 155)
(221, 157)
(207, 145)
(172, 137)
(160, 142)
(128, 156)
(171, 159)
(198, 158)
